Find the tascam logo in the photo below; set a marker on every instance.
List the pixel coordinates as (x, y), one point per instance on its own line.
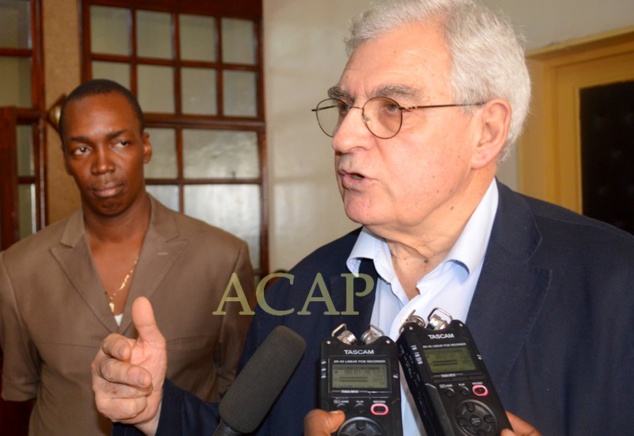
(441, 336)
(358, 351)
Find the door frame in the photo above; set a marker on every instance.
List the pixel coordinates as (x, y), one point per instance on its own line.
(549, 151)
(8, 178)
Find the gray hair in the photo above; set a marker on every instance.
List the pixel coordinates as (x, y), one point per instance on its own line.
(487, 53)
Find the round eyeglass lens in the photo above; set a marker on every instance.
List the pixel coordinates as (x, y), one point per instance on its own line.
(383, 117)
(329, 113)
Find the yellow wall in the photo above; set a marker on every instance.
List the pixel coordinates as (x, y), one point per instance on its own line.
(61, 74)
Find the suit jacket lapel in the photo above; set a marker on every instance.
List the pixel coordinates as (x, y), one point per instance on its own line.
(359, 323)
(161, 247)
(509, 284)
(75, 259)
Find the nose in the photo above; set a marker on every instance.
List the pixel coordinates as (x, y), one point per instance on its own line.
(102, 161)
(352, 132)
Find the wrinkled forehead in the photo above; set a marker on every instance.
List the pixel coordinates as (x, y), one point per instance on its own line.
(411, 61)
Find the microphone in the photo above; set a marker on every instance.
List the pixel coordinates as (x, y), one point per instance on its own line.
(258, 385)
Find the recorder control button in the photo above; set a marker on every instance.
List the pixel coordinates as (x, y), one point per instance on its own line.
(480, 390)
(379, 409)
(341, 405)
(449, 392)
(359, 408)
(475, 418)
(464, 391)
(360, 426)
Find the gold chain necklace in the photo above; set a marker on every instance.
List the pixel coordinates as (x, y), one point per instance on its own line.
(123, 285)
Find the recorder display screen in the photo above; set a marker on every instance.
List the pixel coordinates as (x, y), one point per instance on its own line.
(359, 376)
(449, 359)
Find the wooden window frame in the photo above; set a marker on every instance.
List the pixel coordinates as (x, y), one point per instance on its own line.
(34, 116)
(241, 9)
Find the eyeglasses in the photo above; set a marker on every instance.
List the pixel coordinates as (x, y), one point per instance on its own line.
(382, 116)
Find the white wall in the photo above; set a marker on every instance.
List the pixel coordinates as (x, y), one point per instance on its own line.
(304, 56)
(548, 22)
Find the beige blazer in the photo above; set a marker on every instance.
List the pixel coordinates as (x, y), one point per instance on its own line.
(54, 314)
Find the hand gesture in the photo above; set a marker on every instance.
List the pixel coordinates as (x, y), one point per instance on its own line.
(128, 374)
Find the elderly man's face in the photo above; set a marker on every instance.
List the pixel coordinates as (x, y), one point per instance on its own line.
(415, 179)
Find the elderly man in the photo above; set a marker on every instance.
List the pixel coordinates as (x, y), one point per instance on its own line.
(432, 98)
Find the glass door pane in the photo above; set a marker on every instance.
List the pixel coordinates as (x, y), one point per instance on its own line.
(197, 38)
(110, 30)
(15, 22)
(220, 154)
(154, 34)
(234, 208)
(15, 85)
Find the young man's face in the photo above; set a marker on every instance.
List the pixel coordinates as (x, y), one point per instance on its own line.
(104, 151)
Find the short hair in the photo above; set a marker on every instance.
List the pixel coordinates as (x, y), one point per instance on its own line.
(101, 87)
(487, 53)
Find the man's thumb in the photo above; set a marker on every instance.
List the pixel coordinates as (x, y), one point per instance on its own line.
(144, 321)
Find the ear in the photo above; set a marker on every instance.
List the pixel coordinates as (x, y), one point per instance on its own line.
(495, 119)
(147, 148)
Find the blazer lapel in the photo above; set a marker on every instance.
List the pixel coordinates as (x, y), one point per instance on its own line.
(75, 259)
(360, 322)
(509, 284)
(161, 247)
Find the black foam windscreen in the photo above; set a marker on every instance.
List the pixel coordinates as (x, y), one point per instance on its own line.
(261, 380)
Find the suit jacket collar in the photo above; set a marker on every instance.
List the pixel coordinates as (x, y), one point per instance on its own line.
(358, 322)
(511, 289)
(75, 258)
(161, 247)
(507, 299)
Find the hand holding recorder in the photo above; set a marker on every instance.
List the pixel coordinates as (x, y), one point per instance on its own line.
(322, 423)
(446, 374)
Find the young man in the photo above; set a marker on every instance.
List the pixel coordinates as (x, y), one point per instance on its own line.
(433, 96)
(65, 288)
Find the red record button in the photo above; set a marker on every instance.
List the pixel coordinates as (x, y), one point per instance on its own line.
(379, 409)
(480, 390)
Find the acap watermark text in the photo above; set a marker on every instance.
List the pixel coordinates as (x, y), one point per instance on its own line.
(318, 294)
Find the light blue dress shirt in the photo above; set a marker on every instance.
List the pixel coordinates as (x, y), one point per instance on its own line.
(449, 286)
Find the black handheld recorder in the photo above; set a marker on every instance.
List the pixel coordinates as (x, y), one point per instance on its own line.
(447, 378)
(362, 379)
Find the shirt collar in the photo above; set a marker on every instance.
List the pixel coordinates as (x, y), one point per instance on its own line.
(468, 250)
(472, 243)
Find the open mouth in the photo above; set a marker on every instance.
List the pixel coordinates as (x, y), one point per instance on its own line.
(350, 180)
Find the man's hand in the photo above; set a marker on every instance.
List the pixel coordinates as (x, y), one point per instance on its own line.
(321, 423)
(128, 374)
(520, 428)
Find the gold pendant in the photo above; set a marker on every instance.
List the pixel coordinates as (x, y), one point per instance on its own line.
(111, 304)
